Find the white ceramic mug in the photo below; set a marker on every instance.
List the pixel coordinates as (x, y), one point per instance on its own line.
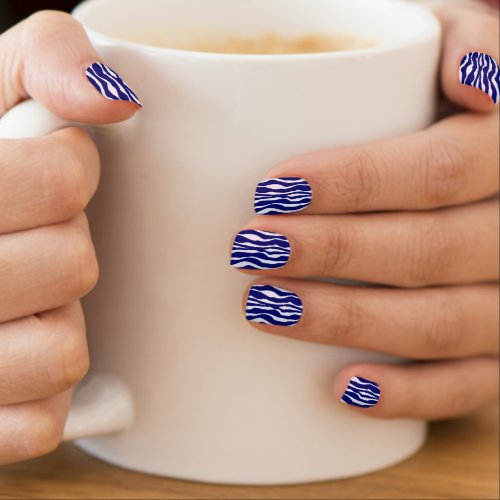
(191, 390)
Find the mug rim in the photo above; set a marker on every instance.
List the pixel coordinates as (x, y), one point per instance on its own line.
(433, 30)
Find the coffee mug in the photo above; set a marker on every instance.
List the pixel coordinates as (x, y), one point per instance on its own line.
(180, 384)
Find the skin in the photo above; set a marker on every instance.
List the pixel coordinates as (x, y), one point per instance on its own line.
(47, 260)
(434, 221)
(420, 215)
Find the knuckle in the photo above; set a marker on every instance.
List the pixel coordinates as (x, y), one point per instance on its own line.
(435, 246)
(64, 184)
(81, 270)
(38, 25)
(28, 151)
(44, 432)
(39, 29)
(443, 330)
(349, 323)
(70, 358)
(444, 170)
(458, 399)
(356, 178)
(337, 249)
(47, 16)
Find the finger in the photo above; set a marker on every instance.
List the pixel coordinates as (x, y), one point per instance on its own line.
(48, 180)
(32, 429)
(470, 73)
(448, 246)
(430, 391)
(48, 57)
(429, 323)
(45, 268)
(453, 162)
(42, 355)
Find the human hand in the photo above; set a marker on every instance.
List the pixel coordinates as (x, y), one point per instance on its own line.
(418, 213)
(47, 260)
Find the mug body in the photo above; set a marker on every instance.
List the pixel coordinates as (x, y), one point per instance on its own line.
(216, 400)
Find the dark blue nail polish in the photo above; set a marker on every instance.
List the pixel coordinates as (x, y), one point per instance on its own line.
(254, 249)
(481, 71)
(282, 195)
(361, 392)
(109, 84)
(273, 306)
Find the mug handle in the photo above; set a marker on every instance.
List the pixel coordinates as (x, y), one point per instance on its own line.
(102, 404)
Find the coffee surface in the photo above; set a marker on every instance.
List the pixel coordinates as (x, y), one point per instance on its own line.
(267, 43)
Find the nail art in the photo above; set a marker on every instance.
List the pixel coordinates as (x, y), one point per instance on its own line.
(259, 250)
(481, 71)
(361, 392)
(273, 306)
(109, 84)
(282, 195)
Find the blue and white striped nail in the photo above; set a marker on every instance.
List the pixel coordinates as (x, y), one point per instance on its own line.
(109, 84)
(273, 306)
(282, 195)
(254, 249)
(481, 71)
(361, 392)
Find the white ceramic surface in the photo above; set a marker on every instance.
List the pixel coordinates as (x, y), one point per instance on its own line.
(215, 400)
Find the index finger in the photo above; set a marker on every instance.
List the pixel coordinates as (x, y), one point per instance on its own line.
(452, 162)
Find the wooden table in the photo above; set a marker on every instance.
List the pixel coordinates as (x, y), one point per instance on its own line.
(460, 460)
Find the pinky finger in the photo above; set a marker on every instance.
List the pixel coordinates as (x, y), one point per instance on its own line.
(429, 390)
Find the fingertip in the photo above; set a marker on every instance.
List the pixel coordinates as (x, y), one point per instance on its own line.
(272, 309)
(470, 72)
(476, 100)
(102, 111)
(462, 91)
(343, 376)
(339, 385)
(62, 70)
(109, 84)
(97, 102)
(358, 387)
(471, 98)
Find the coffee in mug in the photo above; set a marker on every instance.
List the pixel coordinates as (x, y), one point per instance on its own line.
(266, 43)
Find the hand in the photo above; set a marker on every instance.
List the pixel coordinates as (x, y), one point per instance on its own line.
(418, 213)
(47, 260)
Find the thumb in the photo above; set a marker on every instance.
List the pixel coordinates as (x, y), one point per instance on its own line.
(49, 58)
(470, 73)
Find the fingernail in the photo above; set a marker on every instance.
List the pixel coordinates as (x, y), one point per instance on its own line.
(282, 195)
(361, 392)
(273, 306)
(109, 84)
(259, 250)
(481, 71)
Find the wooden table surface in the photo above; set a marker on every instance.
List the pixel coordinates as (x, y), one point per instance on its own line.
(459, 460)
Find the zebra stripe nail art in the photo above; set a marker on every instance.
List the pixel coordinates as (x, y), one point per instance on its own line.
(481, 71)
(259, 250)
(282, 195)
(361, 392)
(109, 84)
(273, 306)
